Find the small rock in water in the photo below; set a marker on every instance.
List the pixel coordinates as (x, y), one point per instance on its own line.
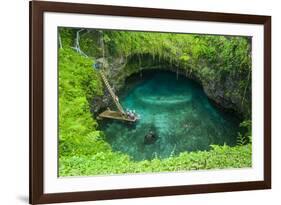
(150, 138)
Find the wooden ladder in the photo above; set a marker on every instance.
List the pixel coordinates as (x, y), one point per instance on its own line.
(118, 105)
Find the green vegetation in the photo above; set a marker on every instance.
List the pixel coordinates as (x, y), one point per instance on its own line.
(225, 61)
(82, 148)
(78, 83)
(117, 163)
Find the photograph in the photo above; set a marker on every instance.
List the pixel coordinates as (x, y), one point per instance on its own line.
(137, 102)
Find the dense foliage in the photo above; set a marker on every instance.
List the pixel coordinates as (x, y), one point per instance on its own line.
(117, 163)
(77, 84)
(82, 148)
(223, 60)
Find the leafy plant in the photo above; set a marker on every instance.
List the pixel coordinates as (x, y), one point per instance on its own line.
(241, 139)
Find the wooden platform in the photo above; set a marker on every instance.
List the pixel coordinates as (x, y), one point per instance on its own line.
(116, 116)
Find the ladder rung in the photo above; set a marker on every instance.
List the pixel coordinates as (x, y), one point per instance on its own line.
(118, 105)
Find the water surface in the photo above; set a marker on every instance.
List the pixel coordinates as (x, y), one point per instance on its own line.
(177, 111)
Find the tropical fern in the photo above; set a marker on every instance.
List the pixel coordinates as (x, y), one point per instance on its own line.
(241, 139)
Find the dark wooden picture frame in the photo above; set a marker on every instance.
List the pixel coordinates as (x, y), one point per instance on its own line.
(37, 9)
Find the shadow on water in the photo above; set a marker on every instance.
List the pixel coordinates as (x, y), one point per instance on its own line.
(176, 112)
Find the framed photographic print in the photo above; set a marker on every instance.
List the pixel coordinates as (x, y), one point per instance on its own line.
(137, 102)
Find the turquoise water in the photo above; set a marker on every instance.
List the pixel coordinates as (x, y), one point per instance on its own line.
(177, 111)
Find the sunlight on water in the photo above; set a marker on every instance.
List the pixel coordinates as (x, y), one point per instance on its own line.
(179, 114)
